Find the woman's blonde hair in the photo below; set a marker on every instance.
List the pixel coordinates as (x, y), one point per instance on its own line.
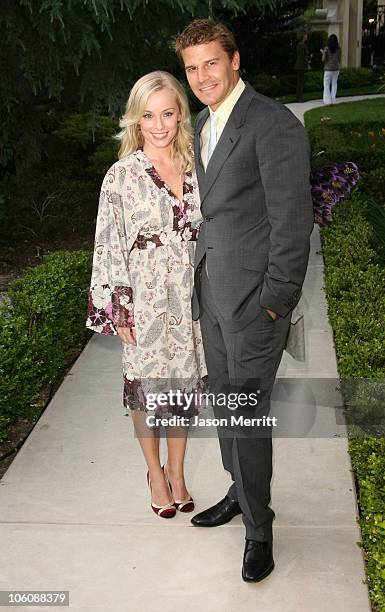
(131, 134)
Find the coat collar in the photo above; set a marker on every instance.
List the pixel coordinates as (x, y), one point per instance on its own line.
(238, 113)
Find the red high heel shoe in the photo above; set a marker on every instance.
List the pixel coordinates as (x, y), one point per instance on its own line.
(166, 511)
(184, 505)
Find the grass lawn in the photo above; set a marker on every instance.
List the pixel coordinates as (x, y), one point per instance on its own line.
(360, 111)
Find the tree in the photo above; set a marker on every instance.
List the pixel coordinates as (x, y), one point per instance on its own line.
(261, 35)
(86, 54)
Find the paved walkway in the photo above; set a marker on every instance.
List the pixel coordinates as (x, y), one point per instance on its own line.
(75, 514)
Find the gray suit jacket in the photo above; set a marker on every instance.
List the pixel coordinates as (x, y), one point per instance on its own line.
(257, 209)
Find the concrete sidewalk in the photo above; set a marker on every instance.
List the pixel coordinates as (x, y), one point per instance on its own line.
(75, 509)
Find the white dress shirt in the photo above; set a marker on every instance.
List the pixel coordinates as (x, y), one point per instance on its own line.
(223, 112)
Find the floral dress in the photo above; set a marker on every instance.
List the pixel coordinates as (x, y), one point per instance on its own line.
(142, 276)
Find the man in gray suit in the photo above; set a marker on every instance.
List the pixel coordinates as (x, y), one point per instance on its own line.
(252, 161)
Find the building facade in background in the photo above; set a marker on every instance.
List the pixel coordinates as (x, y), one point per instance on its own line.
(343, 18)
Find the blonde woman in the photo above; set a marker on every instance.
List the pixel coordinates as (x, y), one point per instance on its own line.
(142, 277)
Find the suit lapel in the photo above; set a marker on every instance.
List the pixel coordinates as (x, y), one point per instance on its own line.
(225, 145)
(201, 120)
(229, 138)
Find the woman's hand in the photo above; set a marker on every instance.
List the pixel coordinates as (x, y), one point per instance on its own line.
(271, 313)
(127, 334)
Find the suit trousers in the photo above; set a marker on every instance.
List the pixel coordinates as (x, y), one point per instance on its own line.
(244, 361)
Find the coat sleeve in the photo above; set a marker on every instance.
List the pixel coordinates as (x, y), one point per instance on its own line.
(110, 302)
(284, 163)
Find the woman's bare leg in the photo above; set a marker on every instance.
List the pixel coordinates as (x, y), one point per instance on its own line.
(149, 441)
(176, 447)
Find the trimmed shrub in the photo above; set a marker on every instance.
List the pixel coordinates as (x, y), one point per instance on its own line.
(373, 183)
(314, 81)
(41, 325)
(284, 83)
(348, 78)
(363, 143)
(267, 85)
(368, 461)
(356, 77)
(287, 84)
(355, 291)
(355, 286)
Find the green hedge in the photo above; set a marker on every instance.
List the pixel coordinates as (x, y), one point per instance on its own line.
(42, 324)
(283, 84)
(368, 461)
(348, 78)
(355, 287)
(364, 145)
(355, 291)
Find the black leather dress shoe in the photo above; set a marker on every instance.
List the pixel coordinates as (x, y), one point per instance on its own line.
(219, 514)
(257, 561)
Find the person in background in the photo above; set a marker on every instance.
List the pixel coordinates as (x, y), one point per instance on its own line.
(301, 64)
(331, 56)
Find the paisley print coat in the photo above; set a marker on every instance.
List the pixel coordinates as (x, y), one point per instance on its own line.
(142, 276)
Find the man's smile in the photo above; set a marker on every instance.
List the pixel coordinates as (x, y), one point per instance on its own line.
(208, 87)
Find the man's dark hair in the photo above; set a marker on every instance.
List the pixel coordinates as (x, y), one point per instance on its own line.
(202, 31)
